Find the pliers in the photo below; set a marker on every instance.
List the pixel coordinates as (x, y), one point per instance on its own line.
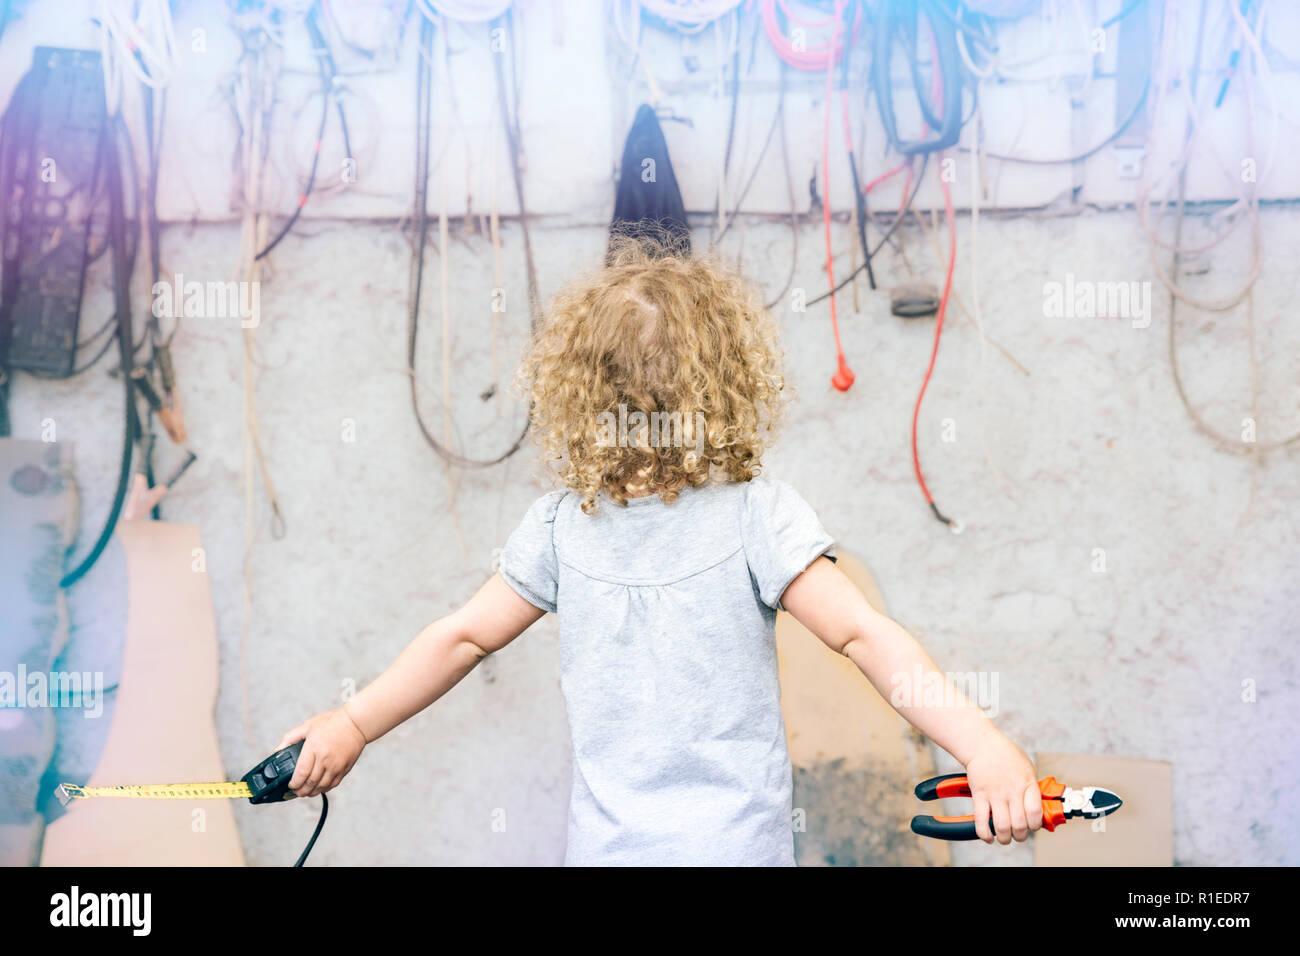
(1060, 803)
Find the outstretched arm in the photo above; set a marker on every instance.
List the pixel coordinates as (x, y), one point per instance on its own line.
(1002, 778)
(432, 664)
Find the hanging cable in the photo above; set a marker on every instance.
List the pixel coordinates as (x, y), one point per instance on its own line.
(144, 45)
(898, 22)
(904, 205)
(423, 105)
(822, 57)
(859, 196)
(934, 350)
(843, 378)
(1169, 276)
(122, 267)
(803, 56)
(328, 76)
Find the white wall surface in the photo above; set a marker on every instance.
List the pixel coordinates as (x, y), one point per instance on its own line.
(1089, 448)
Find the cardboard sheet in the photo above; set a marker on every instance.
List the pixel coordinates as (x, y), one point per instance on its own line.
(1140, 833)
(162, 730)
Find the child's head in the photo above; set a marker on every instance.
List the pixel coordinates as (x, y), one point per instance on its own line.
(658, 372)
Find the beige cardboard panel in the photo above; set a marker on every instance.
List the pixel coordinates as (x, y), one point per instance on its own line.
(1140, 833)
(855, 759)
(162, 730)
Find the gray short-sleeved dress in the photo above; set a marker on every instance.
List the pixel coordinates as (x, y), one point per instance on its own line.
(668, 666)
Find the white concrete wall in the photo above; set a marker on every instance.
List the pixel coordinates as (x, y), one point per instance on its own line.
(1091, 449)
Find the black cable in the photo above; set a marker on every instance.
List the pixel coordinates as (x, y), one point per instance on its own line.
(320, 825)
(859, 200)
(423, 102)
(731, 130)
(103, 350)
(323, 50)
(758, 164)
(122, 301)
(153, 126)
(899, 17)
(893, 227)
(1064, 161)
(789, 188)
(511, 124)
(327, 83)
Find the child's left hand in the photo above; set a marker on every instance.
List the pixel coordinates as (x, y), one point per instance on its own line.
(1004, 787)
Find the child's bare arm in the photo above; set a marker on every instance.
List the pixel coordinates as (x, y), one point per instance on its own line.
(1002, 778)
(432, 664)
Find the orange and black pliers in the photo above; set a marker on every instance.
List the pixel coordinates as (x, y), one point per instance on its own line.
(1060, 803)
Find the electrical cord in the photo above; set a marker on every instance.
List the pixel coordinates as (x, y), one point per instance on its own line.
(122, 298)
(320, 825)
(328, 75)
(843, 378)
(906, 204)
(1078, 157)
(423, 97)
(801, 56)
(1168, 278)
(934, 350)
(859, 196)
(778, 119)
(899, 20)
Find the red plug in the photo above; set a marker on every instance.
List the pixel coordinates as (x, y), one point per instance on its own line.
(843, 377)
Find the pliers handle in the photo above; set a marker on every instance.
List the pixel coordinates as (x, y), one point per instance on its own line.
(963, 828)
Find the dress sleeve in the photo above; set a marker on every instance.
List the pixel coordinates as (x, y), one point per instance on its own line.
(782, 536)
(528, 563)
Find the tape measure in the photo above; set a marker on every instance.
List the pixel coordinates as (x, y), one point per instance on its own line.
(268, 782)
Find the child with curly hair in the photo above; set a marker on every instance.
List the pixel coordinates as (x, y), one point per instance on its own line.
(654, 385)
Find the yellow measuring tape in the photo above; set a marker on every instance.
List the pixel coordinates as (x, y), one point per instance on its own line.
(268, 782)
(160, 791)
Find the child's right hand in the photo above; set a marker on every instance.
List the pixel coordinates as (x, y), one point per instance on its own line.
(1004, 787)
(331, 745)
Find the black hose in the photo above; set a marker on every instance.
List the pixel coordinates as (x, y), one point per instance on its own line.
(122, 300)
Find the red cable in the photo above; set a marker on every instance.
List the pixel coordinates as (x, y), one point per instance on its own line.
(938, 330)
(843, 377)
(936, 96)
(810, 58)
(883, 176)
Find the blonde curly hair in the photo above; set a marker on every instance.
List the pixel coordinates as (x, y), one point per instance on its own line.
(656, 338)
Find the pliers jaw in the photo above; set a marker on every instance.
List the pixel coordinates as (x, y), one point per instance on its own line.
(1091, 803)
(1060, 803)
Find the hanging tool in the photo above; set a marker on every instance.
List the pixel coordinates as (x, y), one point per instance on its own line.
(1060, 803)
(268, 782)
